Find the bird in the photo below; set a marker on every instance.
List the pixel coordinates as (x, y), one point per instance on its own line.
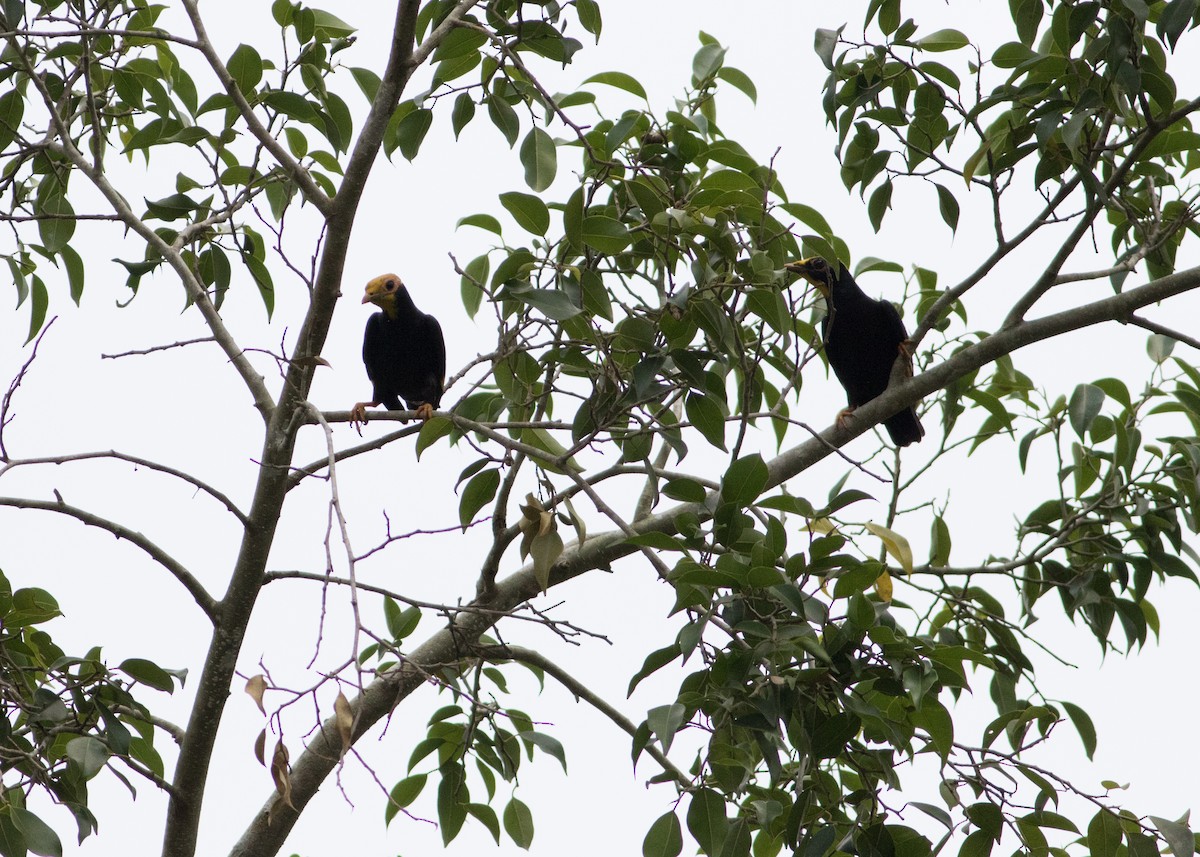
(863, 337)
(403, 351)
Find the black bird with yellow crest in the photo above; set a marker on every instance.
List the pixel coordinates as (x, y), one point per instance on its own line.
(403, 351)
(863, 338)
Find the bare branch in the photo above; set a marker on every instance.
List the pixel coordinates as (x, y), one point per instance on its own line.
(176, 568)
(1155, 327)
(219, 496)
(6, 402)
(155, 348)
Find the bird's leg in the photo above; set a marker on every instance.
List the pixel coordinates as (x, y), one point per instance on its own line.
(843, 415)
(424, 411)
(358, 415)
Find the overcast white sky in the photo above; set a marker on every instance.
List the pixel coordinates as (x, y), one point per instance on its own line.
(187, 407)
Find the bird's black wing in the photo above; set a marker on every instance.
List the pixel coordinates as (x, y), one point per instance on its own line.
(378, 355)
(429, 351)
(903, 427)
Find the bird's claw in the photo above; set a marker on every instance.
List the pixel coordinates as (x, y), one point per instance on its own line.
(424, 411)
(843, 415)
(358, 417)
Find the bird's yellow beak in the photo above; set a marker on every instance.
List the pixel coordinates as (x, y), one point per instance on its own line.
(813, 270)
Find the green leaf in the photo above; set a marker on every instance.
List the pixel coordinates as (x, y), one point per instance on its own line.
(504, 118)
(1104, 835)
(75, 272)
(433, 430)
(89, 754)
(475, 275)
(551, 303)
(464, 112)
(589, 17)
(655, 661)
(948, 207)
(706, 820)
(604, 234)
(246, 68)
(744, 480)
(620, 80)
(31, 606)
(540, 159)
(12, 110)
(1171, 23)
(664, 838)
(1159, 347)
(37, 306)
(824, 43)
(528, 211)
(880, 202)
(518, 823)
(740, 80)
(147, 673)
(547, 744)
(39, 837)
(411, 131)
(707, 61)
(403, 794)
(545, 549)
(367, 80)
(665, 721)
(1085, 405)
(1178, 835)
(939, 543)
(1084, 726)
(706, 415)
(452, 800)
(542, 439)
(329, 26)
(480, 491)
(57, 225)
(943, 40)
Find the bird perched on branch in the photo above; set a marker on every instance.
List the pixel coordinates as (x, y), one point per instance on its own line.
(863, 338)
(403, 350)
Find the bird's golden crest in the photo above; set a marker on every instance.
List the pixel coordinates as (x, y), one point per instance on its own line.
(381, 291)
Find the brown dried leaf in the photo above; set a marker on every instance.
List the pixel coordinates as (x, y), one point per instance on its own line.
(344, 716)
(281, 773)
(256, 687)
(260, 748)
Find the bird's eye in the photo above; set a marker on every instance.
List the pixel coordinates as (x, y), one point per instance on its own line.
(390, 285)
(819, 263)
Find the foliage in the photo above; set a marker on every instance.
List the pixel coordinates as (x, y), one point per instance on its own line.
(650, 344)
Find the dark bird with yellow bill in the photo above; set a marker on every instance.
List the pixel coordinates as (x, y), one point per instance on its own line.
(403, 350)
(863, 338)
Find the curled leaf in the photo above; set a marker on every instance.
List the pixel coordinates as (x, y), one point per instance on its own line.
(256, 687)
(895, 544)
(281, 773)
(344, 717)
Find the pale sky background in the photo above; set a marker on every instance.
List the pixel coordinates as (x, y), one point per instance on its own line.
(188, 408)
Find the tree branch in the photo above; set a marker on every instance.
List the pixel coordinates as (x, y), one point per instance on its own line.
(383, 694)
(581, 691)
(176, 568)
(312, 192)
(219, 496)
